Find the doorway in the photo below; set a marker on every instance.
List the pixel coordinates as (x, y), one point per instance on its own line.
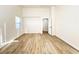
(45, 25)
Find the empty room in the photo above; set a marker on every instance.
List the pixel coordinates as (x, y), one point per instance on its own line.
(39, 29)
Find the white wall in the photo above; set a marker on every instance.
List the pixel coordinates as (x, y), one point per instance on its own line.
(0, 34)
(67, 24)
(7, 19)
(52, 11)
(19, 14)
(35, 12)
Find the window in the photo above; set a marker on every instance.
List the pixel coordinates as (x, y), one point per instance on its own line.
(18, 23)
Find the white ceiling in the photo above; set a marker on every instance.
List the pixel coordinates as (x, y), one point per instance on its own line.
(37, 5)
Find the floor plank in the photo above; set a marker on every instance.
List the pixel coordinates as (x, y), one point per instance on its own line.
(38, 44)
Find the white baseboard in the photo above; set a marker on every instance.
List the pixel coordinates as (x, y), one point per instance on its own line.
(67, 42)
(12, 40)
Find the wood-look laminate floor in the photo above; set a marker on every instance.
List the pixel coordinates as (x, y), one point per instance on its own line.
(38, 44)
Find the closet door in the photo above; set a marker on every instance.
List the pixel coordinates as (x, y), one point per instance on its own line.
(50, 26)
(32, 25)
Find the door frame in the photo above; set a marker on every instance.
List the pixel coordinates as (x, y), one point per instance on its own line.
(49, 24)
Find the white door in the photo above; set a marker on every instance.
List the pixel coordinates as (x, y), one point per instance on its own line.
(32, 25)
(50, 26)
